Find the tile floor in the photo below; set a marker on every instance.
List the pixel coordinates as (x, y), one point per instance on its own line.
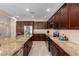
(39, 48)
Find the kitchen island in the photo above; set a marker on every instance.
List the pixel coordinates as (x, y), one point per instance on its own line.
(10, 46)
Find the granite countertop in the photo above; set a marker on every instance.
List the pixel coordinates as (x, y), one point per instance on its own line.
(70, 47)
(10, 46)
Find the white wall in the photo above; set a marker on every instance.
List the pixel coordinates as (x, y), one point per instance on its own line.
(4, 27)
(13, 27)
(7, 27)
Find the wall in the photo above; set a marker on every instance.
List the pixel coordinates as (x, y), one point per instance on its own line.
(13, 27)
(4, 27)
(7, 27)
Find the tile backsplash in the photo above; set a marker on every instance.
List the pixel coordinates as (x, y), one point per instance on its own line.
(73, 35)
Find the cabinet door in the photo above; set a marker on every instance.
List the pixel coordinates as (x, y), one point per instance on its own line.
(54, 51)
(27, 47)
(61, 52)
(61, 20)
(25, 50)
(56, 21)
(74, 16)
(45, 37)
(39, 37)
(35, 37)
(18, 27)
(42, 37)
(63, 17)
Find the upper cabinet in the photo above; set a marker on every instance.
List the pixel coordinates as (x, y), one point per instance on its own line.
(40, 25)
(67, 17)
(20, 26)
(35, 25)
(63, 17)
(74, 15)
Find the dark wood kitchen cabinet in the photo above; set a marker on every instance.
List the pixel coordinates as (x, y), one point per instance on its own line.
(40, 25)
(27, 47)
(39, 37)
(56, 50)
(56, 21)
(74, 15)
(67, 17)
(20, 26)
(60, 19)
(35, 25)
(63, 17)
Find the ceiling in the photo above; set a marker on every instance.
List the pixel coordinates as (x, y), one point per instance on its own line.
(36, 10)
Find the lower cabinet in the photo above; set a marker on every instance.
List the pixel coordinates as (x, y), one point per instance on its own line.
(53, 51)
(18, 53)
(27, 47)
(24, 51)
(39, 37)
(56, 50)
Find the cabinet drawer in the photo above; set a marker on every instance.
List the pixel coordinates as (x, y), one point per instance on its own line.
(39, 37)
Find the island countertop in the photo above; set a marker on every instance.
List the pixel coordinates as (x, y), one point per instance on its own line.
(10, 46)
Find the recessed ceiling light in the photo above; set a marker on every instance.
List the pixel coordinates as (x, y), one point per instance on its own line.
(48, 10)
(27, 9)
(44, 16)
(17, 16)
(32, 16)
